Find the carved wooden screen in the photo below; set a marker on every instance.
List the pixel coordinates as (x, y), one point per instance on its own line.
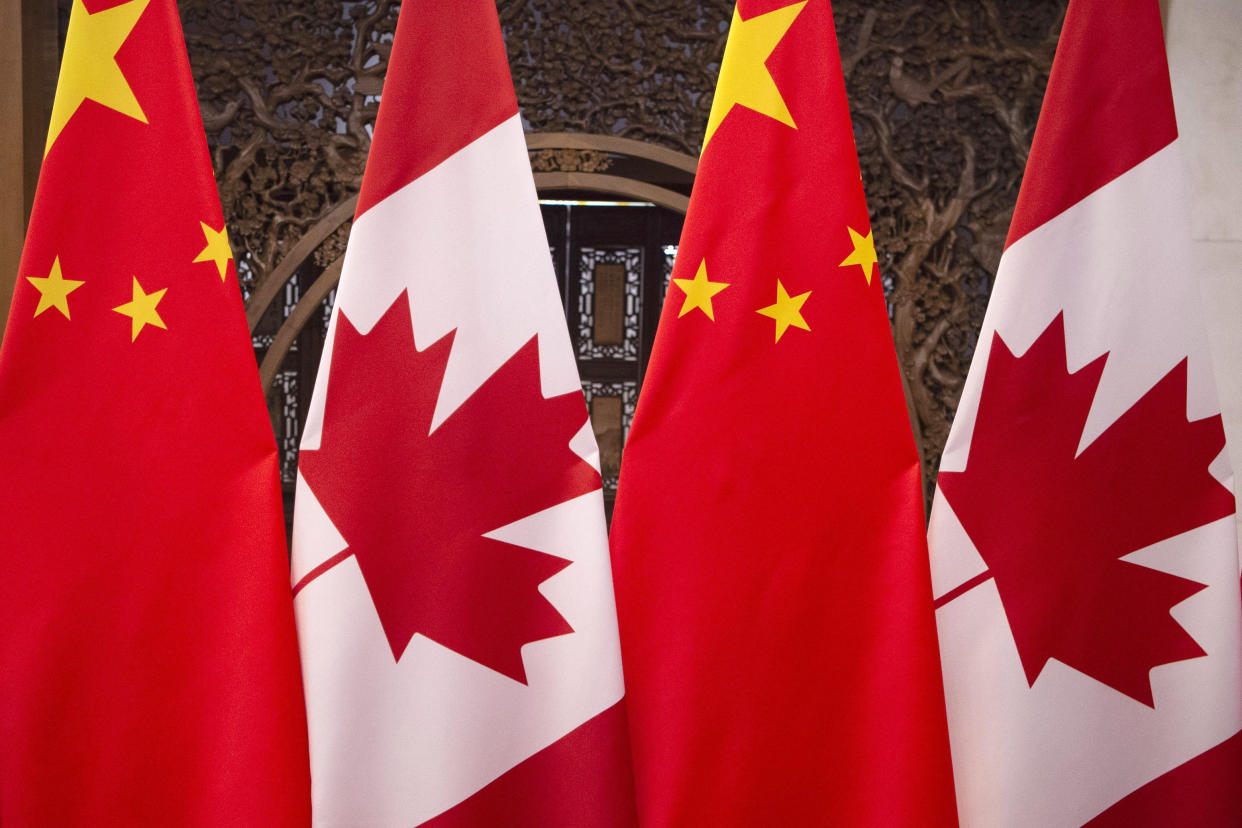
(617, 262)
(944, 96)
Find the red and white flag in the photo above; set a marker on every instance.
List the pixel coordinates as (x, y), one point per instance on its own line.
(452, 583)
(1084, 556)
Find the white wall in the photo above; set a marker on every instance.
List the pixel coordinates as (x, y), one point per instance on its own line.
(1205, 60)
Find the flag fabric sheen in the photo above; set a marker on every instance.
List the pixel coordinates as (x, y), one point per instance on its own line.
(148, 654)
(451, 575)
(776, 620)
(1083, 546)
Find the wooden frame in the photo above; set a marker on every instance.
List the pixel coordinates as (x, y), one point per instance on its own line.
(29, 54)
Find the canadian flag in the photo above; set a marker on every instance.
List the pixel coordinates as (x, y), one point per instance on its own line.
(452, 584)
(1083, 547)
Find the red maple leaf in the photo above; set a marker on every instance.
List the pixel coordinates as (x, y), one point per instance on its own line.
(413, 504)
(1052, 526)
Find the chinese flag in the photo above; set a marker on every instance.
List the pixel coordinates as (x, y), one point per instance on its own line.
(775, 607)
(450, 561)
(148, 656)
(1084, 555)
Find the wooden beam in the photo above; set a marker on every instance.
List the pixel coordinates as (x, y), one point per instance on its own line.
(611, 143)
(12, 159)
(29, 54)
(613, 185)
(40, 67)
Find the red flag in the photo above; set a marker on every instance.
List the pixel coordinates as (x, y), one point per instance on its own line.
(776, 621)
(1083, 544)
(452, 580)
(149, 664)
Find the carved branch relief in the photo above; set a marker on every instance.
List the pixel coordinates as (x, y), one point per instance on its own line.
(944, 96)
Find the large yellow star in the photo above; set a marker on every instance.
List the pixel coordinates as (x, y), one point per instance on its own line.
(141, 309)
(699, 292)
(217, 249)
(787, 310)
(89, 69)
(744, 76)
(54, 289)
(864, 253)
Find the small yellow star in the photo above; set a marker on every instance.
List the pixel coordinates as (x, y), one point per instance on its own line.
(89, 69)
(54, 289)
(864, 253)
(699, 292)
(744, 76)
(141, 309)
(787, 310)
(217, 249)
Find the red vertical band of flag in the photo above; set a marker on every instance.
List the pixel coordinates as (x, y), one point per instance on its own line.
(1129, 118)
(149, 665)
(775, 612)
(463, 91)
